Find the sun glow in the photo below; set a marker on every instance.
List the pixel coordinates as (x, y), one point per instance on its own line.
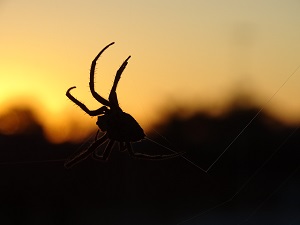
(194, 55)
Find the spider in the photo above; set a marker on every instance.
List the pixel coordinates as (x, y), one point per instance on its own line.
(117, 125)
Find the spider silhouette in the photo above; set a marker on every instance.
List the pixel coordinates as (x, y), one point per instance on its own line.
(117, 125)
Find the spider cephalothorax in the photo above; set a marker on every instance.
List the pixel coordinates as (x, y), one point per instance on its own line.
(118, 126)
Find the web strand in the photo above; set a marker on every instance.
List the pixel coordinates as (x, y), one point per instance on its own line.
(176, 152)
(248, 124)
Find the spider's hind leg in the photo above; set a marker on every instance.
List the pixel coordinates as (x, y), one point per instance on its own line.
(82, 155)
(106, 152)
(122, 146)
(150, 157)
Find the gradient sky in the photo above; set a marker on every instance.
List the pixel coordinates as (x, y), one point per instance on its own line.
(196, 54)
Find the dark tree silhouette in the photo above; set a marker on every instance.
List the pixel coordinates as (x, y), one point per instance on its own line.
(35, 186)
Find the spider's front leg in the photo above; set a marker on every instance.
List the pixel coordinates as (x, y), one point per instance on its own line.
(96, 112)
(92, 78)
(113, 99)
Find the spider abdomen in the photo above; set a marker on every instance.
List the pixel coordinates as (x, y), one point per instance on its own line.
(120, 126)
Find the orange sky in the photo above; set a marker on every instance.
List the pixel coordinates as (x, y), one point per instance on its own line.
(195, 53)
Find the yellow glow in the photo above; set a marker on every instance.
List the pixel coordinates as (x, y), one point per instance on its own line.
(200, 54)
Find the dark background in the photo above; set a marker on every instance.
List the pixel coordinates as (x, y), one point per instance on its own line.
(256, 181)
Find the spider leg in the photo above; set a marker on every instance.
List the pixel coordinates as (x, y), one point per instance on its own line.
(92, 78)
(96, 136)
(150, 157)
(113, 99)
(96, 112)
(77, 157)
(122, 146)
(106, 152)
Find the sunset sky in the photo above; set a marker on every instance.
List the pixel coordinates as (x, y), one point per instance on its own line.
(195, 54)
